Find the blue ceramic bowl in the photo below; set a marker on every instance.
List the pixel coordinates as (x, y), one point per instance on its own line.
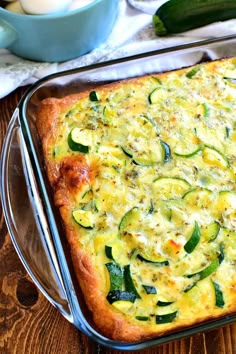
(58, 37)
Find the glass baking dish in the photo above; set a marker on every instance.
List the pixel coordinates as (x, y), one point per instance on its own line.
(31, 218)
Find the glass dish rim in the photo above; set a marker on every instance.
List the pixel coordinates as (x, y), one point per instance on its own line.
(173, 49)
(22, 112)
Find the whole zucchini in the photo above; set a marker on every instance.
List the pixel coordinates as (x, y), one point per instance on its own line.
(176, 16)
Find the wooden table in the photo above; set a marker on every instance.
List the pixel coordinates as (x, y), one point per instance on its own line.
(30, 324)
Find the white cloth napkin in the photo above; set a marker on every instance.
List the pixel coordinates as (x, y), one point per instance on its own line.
(133, 33)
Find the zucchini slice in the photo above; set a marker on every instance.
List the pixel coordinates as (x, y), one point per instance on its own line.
(151, 208)
(214, 157)
(119, 295)
(167, 318)
(198, 198)
(79, 140)
(190, 287)
(187, 144)
(108, 114)
(150, 124)
(190, 74)
(149, 289)
(164, 303)
(93, 96)
(142, 143)
(170, 187)
(127, 152)
(190, 153)
(108, 252)
(116, 276)
(144, 154)
(210, 269)
(210, 232)
(117, 169)
(193, 240)
(129, 284)
(116, 252)
(219, 298)
(204, 273)
(161, 262)
(206, 110)
(166, 151)
(129, 220)
(164, 210)
(84, 218)
(147, 159)
(221, 254)
(142, 318)
(156, 95)
(227, 132)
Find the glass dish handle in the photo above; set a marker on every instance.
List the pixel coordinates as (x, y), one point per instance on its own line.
(28, 227)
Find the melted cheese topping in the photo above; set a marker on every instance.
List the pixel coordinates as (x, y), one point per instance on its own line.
(158, 191)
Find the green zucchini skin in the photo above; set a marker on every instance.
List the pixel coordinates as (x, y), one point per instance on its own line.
(167, 318)
(159, 263)
(142, 318)
(212, 267)
(219, 298)
(194, 239)
(166, 151)
(93, 96)
(129, 284)
(116, 276)
(164, 303)
(74, 146)
(108, 252)
(177, 16)
(118, 295)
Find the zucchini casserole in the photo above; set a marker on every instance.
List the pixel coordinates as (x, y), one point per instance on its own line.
(143, 172)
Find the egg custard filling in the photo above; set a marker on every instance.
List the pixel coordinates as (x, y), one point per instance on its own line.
(143, 172)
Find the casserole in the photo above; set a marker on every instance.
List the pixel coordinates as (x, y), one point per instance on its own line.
(58, 86)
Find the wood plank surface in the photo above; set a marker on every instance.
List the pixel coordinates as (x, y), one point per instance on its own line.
(29, 324)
